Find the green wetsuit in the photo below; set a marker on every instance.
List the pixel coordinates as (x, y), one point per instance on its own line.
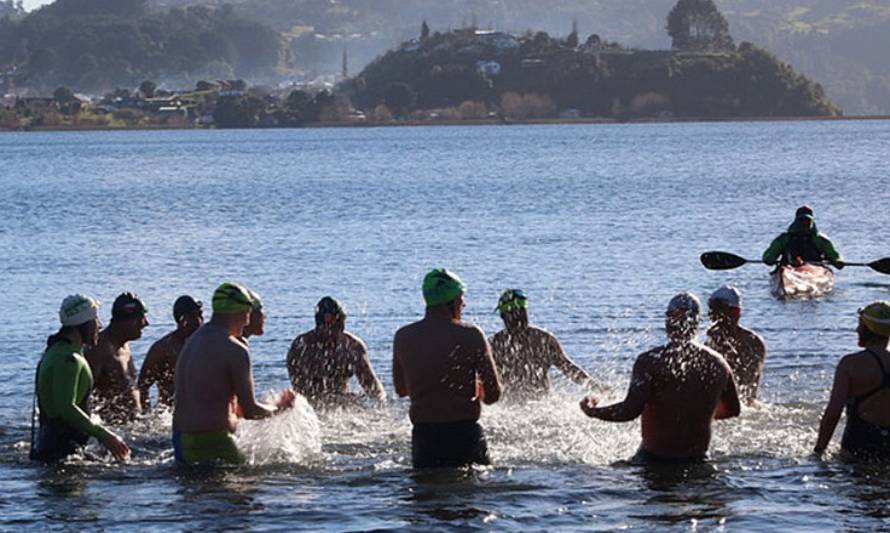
(810, 247)
(64, 382)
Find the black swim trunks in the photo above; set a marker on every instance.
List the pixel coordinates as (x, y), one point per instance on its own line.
(448, 444)
(644, 457)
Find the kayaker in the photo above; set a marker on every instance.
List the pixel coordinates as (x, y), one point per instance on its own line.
(862, 384)
(524, 353)
(111, 361)
(322, 361)
(160, 362)
(743, 349)
(802, 243)
(445, 366)
(63, 385)
(678, 389)
(212, 372)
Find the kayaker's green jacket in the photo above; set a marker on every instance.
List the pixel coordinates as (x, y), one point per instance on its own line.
(810, 247)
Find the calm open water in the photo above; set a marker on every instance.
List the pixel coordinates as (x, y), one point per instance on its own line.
(600, 224)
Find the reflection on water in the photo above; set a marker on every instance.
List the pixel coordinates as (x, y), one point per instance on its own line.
(599, 237)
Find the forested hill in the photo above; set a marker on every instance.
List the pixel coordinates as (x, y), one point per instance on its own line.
(470, 68)
(96, 45)
(841, 43)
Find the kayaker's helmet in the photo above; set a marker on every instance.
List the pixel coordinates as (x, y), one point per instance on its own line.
(804, 212)
(78, 309)
(441, 286)
(876, 318)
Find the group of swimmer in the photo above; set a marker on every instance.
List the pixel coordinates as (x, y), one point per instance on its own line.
(443, 364)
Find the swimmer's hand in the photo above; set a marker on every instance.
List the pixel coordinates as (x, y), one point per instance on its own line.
(588, 405)
(116, 446)
(286, 399)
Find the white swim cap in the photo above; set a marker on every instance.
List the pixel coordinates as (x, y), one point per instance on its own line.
(78, 309)
(686, 302)
(727, 294)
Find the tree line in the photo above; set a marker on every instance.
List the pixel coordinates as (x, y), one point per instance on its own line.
(95, 45)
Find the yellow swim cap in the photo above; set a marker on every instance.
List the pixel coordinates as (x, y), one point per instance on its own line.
(876, 318)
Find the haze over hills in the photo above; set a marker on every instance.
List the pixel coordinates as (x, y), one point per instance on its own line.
(840, 43)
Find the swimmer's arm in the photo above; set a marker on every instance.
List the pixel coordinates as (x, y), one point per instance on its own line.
(729, 405)
(488, 373)
(398, 377)
(97, 363)
(366, 376)
(567, 366)
(638, 394)
(292, 360)
(759, 348)
(839, 391)
(66, 378)
(149, 375)
(242, 379)
(135, 395)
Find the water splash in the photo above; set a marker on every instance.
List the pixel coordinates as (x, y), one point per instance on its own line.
(293, 437)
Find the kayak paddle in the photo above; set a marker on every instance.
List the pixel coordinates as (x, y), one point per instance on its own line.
(728, 261)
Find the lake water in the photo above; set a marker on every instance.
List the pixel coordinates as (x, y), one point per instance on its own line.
(600, 224)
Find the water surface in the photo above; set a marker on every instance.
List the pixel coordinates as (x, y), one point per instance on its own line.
(600, 224)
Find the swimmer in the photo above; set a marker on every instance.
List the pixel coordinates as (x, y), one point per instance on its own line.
(213, 370)
(862, 384)
(64, 383)
(524, 353)
(116, 391)
(445, 366)
(322, 361)
(678, 388)
(743, 349)
(160, 362)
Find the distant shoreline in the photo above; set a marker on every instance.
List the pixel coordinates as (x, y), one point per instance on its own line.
(479, 122)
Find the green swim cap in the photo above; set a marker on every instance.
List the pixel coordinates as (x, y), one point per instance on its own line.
(441, 286)
(512, 299)
(231, 298)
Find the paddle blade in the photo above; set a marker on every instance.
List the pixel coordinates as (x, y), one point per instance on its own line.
(881, 265)
(721, 260)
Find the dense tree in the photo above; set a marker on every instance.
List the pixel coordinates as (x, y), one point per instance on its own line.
(147, 88)
(698, 24)
(424, 32)
(63, 95)
(97, 44)
(399, 98)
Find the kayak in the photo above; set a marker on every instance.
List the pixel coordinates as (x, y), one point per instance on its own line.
(805, 281)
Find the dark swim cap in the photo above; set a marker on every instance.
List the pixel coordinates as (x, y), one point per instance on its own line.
(128, 305)
(804, 211)
(329, 310)
(186, 305)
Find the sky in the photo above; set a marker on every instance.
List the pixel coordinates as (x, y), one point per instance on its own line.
(31, 4)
